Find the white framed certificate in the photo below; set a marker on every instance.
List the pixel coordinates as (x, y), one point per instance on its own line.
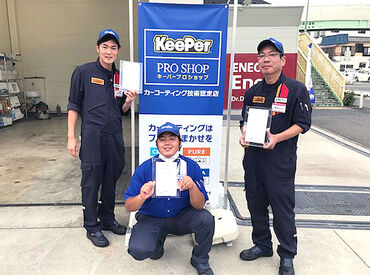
(166, 177)
(257, 120)
(131, 76)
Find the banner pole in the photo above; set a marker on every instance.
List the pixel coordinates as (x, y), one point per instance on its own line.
(226, 174)
(132, 107)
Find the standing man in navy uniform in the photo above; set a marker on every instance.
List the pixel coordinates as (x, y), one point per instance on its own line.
(95, 95)
(158, 217)
(270, 171)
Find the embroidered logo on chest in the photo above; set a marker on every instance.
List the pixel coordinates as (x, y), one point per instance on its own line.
(258, 99)
(97, 81)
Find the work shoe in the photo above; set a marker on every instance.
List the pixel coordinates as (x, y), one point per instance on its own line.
(115, 227)
(286, 266)
(203, 269)
(98, 239)
(254, 253)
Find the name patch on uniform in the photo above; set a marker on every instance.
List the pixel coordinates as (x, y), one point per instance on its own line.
(258, 99)
(278, 107)
(97, 81)
(281, 100)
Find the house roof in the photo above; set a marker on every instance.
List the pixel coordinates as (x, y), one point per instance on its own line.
(334, 39)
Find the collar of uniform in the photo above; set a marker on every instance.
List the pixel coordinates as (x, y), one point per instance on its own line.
(173, 158)
(104, 69)
(281, 79)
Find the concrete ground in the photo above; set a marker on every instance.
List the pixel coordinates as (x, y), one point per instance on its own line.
(41, 224)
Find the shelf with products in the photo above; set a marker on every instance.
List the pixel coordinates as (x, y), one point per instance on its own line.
(12, 99)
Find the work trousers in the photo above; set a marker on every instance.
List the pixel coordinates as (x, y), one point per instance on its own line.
(149, 233)
(102, 161)
(269, 181)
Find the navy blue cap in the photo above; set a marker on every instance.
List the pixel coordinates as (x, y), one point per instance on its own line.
(168, 127)
(271, 42)
(109, 32)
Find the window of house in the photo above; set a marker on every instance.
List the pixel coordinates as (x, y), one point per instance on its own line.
(345, 67)
(366, 51)
(344, 49)
(359, 48)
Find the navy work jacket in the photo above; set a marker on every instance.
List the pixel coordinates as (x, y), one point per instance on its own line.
(92, 95)
(294, 96)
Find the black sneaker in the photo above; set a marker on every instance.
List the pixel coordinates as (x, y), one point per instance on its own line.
(286, 266)
(116, 228)
(254, 253)
(98, 239)
(203, 269)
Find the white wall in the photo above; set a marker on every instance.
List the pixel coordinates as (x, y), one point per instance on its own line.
(4, 28)
(57, 35)
(257, 23)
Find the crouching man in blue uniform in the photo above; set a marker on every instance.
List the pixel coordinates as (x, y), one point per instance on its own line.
(95, 96)
(158, 217)
(270, 171)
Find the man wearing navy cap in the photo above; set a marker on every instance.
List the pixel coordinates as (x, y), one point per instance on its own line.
(270, 171)
(95, 96)
(159, 216)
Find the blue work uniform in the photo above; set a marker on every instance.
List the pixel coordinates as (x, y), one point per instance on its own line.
(269, 174)
(158, 217)
(102, 150)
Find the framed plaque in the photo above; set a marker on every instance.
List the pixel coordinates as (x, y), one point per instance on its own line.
(166, 176)
(131, 75)
(257, 121)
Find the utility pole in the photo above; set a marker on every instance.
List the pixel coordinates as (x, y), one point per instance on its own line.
(305, 25)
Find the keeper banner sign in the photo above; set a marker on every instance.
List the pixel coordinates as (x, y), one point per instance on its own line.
(183, 51)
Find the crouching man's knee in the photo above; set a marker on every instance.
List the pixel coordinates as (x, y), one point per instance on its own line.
(139, 252)
(206, 219)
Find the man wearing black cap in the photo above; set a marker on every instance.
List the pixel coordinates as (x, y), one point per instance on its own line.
(270, 171)
(159, 216)
(95, 95)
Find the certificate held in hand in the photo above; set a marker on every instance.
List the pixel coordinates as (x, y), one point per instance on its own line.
(131, 75)
(257, 120)
(166, 176)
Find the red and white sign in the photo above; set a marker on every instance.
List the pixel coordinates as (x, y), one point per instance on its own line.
(189, 152)
(247, 73)
(199, 155)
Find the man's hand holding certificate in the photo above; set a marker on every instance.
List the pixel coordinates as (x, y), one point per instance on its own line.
(186, 183)
(147, 190)
(254, 132)
(166, 177)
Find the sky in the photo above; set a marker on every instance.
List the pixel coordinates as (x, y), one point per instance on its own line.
(317, 2)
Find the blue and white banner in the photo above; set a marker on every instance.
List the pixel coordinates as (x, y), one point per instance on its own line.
(308, 80)
(183, 51)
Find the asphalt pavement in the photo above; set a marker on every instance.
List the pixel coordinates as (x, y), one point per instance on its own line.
(359, 86)
(350, 123)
